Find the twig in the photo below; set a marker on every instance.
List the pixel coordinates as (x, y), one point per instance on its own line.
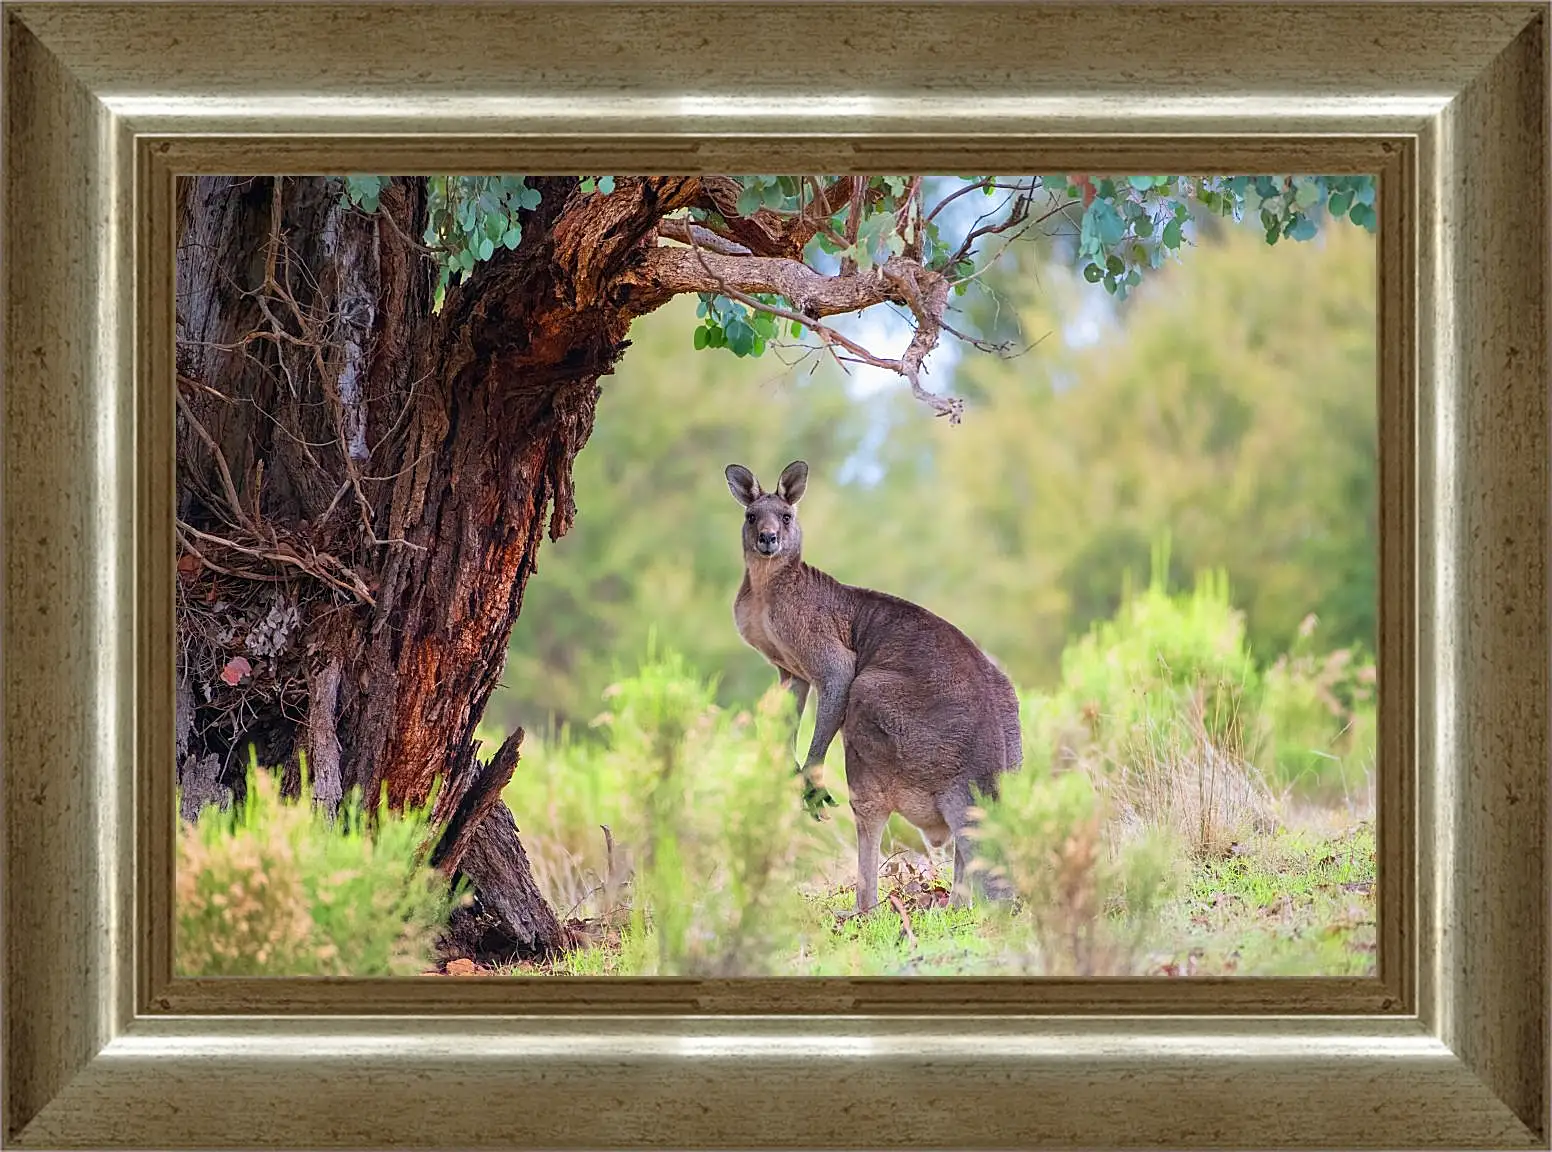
(220, 458)
(325, 379)
(919, 224)
(990, 263)
(905, 918)
(237, 573)
(859, 186)
(409, 241)
(1000, 349)
(356, 587)
(1016, 216)
(928, 311)
(976, 186)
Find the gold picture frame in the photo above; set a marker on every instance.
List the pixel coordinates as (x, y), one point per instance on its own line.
(105, 103)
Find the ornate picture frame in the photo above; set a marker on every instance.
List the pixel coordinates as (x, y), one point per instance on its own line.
(106, 103)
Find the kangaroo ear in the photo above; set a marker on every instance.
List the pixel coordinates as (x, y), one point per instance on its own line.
(743, 485)
(794, 478)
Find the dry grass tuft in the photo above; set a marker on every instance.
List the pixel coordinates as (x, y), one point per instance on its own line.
(1177, 776)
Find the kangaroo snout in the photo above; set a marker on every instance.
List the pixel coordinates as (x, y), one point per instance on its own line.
(768, 543)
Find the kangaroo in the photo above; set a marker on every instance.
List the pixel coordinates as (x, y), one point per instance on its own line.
(923, 713)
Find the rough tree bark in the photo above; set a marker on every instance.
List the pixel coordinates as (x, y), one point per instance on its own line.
(364, 484)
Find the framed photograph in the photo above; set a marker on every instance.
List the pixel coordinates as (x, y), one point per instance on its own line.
(610, 574)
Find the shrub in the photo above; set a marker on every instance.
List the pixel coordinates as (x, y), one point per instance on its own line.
(272, 887)
(1089, 904)
(1158, 653)
(708, 838)
(1161, 708)
(1321, 713)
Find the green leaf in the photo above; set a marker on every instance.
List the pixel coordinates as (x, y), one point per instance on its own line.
(1141, 183)
(606, 184)
(587, 185)
(1092, 273)
(1115, 265)
(1108, 222)
(749, 201)
(529, 198)
(1339, 203)
(1302, 229)
(701, 332)
(1308, 192)
(486, 248)
(1171, 237)
(512, 237)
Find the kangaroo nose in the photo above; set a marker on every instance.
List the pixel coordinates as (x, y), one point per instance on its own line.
(767, 540)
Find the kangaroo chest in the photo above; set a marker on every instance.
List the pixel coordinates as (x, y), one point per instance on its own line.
(766, 631)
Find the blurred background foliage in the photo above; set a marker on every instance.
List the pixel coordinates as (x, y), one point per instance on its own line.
(1226, 406)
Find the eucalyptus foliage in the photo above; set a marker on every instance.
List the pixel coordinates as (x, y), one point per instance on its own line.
(1125, 226)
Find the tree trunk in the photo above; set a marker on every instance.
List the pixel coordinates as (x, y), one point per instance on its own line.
(363, 486)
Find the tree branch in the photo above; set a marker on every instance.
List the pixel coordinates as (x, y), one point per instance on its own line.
(667, 272)
(671, 271)
(596, 237)
(687, 233)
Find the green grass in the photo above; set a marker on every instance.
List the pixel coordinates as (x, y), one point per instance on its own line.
(1299, 904)
(1295, 904)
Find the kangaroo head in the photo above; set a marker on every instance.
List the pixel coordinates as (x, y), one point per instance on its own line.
(771, 527)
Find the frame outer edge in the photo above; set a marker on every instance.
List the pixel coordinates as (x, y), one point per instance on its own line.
(735, 1082)
(68, 681)
(65, 439)
(1490, 499)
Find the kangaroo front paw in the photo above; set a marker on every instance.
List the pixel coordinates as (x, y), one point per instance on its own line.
(816, 798)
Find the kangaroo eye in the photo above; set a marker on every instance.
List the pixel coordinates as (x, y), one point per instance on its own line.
(749, 518)
(786, 519)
